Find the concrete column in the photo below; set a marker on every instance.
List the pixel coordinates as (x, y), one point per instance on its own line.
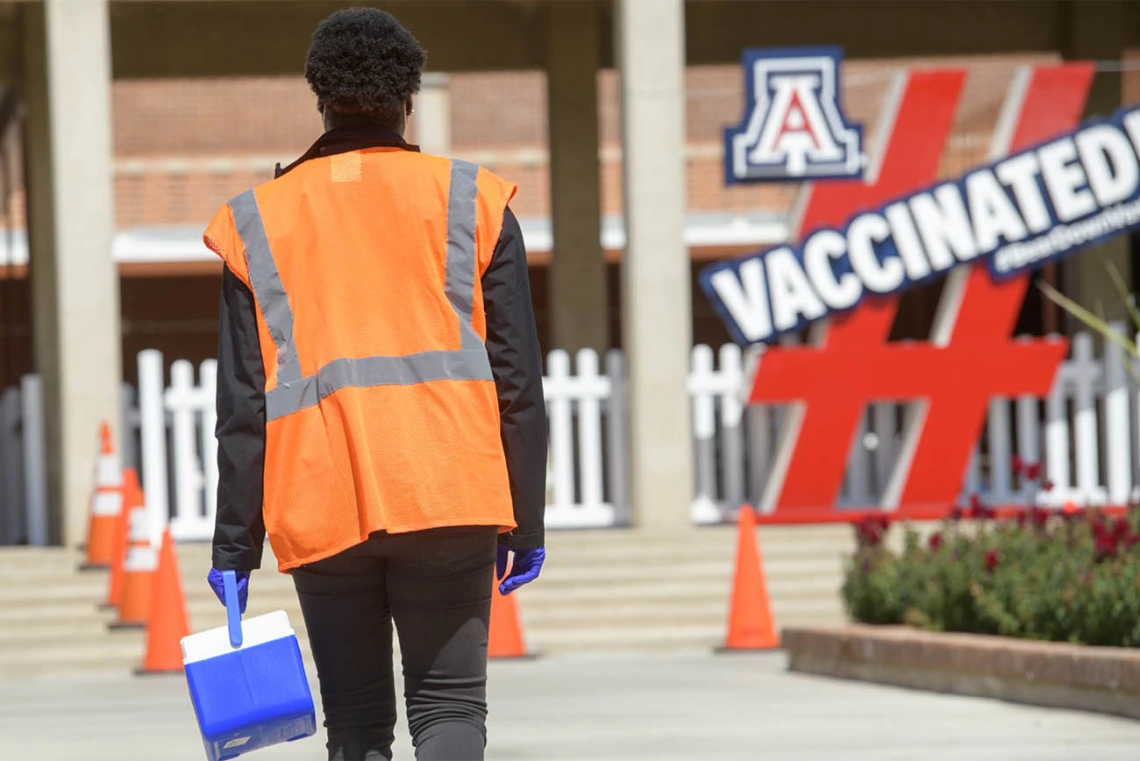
(71, 209)
(656, 311)
(1098, 32)
(577, 271)
(432, 119)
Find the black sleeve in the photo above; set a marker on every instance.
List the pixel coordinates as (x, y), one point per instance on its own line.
(516, 363)
(239, 531)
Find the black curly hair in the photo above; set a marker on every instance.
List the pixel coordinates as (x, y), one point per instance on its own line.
(364, 66)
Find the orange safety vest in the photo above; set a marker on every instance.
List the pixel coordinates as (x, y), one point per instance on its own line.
(381, 411)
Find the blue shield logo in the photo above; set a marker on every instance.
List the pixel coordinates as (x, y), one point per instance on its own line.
(794, 127)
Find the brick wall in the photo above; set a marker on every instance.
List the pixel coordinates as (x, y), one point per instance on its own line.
(213, 117)
(184, 146)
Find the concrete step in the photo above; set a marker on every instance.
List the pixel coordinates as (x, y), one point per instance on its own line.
(71, 588)
(557, 574)
(595, 544)
(54, 656)
(565, 615)
(58, 613)
(570, 586)
(655, 637)
(33, 633)
(55, 565)
(601, 590)
(64, 589)
(642, 639)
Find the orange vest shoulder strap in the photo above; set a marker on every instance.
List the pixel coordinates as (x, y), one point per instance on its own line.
(221, 237)
(495, 194)
(248, 255)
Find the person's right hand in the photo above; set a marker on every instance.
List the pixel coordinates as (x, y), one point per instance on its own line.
(214, 579)
(524, 569)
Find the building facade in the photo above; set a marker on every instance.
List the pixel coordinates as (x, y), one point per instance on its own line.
(128, 123)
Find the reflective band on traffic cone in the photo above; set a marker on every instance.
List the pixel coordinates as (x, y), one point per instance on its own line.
(132, 498)
(167, 625)
(106, 504)
(138, 573)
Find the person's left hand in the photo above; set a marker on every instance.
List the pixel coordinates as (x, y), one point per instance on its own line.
(525, 568)
(214, 579)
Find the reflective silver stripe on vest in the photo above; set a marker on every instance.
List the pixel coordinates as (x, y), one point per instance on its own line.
(460, 279)
(466, 364)
(469, 362)
(266, 282)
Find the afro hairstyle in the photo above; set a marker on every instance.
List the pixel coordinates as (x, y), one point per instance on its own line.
(364, 65)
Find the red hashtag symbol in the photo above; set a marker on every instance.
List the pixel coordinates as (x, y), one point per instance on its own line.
(971, 357)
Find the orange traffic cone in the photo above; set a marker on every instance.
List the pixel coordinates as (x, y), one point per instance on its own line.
(132, 498)
(138, 573)
(506, 639)
(106, 504)
(750, 624)
(167, 625)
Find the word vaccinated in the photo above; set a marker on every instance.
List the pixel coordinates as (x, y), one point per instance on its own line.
(1018, 213)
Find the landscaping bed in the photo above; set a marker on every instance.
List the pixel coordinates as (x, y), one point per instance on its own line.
(1062, 675)
(1058, 575)
(1038, 606)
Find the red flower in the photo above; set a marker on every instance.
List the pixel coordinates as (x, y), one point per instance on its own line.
(991, 560)
(1071, 512)
(1033, 471)
(935, 542)
(1046, 485)
(979, 509)
(957, 513)
(1033, 516)
(1109, 538)
(871, 529)
(1018, 463)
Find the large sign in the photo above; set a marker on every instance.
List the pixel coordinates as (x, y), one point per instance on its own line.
(865, 241)
(793, 128)
(1015, 214)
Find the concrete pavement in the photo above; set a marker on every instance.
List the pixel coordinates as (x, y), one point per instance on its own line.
(684, 706)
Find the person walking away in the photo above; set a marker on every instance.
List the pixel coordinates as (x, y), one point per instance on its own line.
(380, 407)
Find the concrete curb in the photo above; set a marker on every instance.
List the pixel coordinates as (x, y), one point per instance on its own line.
(1060, 675)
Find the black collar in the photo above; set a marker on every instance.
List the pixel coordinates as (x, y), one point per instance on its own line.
(345, 139)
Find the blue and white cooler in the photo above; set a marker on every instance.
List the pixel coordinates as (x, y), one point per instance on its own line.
(247, 682)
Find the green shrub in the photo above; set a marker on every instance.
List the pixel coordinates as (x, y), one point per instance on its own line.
(1042, 575)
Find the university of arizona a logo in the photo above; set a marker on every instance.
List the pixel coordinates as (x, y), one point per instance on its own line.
(793, 127)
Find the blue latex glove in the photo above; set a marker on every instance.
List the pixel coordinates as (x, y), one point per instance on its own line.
(524, 569)
(214, 578)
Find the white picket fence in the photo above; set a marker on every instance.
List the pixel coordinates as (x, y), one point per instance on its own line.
(23, 483)
(1085, 433)
(578, 475)
(1084, 428)
(23, 461)
(585, 478)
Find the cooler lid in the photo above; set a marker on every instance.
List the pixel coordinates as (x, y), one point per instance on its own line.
(255, 631)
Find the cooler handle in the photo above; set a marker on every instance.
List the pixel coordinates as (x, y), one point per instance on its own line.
(233, 609)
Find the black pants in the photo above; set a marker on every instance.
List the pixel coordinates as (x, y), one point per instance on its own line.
(436, 586)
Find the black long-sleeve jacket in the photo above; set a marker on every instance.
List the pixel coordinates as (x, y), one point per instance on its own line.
(516, 364)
